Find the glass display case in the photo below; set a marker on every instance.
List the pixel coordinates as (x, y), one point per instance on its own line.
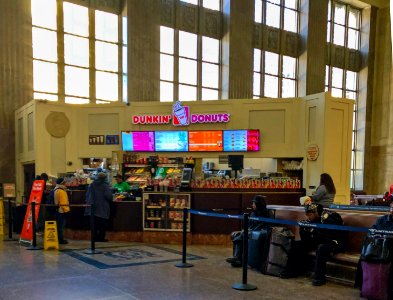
(164, 211)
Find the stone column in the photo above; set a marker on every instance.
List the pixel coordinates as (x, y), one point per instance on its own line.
(16, 76)
(312, 61)
(143, 50)
(237, 49)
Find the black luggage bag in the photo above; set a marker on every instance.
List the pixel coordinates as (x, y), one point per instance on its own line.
(258, 248)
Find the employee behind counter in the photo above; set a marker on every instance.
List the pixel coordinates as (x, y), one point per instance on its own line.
(121, 186)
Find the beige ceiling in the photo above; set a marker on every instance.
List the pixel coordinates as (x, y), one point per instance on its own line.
(377, 3)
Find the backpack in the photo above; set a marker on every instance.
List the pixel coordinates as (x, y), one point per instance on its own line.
(51, 201)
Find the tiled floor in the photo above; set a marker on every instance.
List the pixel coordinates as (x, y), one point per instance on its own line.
(140, 271)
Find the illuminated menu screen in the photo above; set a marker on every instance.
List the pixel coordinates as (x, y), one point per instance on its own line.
(205, 140)
(176, 141)
(241, 140)
(142, 141)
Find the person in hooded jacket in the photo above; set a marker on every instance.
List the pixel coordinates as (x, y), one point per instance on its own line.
(259, 209)
(99, 194)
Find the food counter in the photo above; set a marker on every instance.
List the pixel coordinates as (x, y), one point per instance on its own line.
(127, 216)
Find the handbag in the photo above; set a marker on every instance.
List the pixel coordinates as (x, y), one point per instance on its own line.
(377, 248)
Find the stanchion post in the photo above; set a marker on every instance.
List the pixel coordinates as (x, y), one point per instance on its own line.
(244, 286)
(92, 249)
(10, 239)
(184, 263)
(34, 245)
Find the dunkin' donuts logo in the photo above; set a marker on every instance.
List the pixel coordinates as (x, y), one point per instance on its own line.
(181, 116)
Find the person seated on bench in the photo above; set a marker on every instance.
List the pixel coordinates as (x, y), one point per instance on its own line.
(324, 195)
(259, 209)
(325, 242)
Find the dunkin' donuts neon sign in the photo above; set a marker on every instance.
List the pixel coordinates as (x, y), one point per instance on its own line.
(181, 117)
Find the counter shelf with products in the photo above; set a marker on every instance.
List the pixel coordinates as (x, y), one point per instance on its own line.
(164, 211)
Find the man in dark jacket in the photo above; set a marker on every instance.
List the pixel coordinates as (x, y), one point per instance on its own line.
(324, 241)
(259, 209)
(99, 194)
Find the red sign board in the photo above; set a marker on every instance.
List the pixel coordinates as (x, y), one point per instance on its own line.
(35, 196)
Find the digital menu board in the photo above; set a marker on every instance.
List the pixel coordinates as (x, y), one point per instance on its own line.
(139, 141)
(174, 141)
(205, 140)
(241, 140)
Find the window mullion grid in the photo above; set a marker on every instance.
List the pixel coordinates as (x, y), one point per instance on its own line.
(199, 67)
(263, 74)
(60, 52)
(92, 61)
(120, 59)
(279, 75)
(176, 66)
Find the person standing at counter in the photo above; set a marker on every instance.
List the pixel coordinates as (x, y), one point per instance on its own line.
(61, 199)
(99, 193)
(324, 195)
(121, 185)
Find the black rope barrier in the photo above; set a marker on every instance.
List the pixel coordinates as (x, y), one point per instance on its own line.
(10, 220)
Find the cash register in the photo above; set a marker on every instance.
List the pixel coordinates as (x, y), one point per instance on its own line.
(185, 180)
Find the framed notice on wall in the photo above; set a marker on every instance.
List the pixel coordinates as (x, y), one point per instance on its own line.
(112, 140)
(96, 140)
(9, 190)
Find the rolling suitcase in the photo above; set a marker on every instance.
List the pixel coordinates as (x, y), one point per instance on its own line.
(375, 285)
(258, 248)
(280, 245)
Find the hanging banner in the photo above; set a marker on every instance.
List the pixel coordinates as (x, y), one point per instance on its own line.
(36, 196)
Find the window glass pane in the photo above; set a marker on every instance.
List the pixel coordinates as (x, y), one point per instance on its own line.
(272, 15)
(291, 4)
(351, 82)
(49, 97)
(106, 26)
(210, 75)
(125, 60)
(195, 2)
(166, 40)
(166, 67)
(337, 93)
(354, 18)
(76, 19)
(125, 30)
(187, 92)
(289, 67)
(258, 11)
(107, 56)
(44, 44)
(257, 84)
(288, 88)
(210, 49)
(350, 95)
(328, 31)
(358, 180)
(339, 13)
(76, 81)
(353, 39)
(339, 35)
(187, 44)
(209, 94)
(290, 20)
(187, 71)
(166, 91)
(43, 13)
(74, 100)
(44, 76)
(257, 60)
(327, 76)
(330, 11)
(212, 4)
(125, 89)
(107, 86)
(271, 86)
(337, 77)
(76, 50)
(271, 63)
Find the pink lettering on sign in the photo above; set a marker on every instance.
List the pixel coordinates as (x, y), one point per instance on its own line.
(210, 118)
(151, 119)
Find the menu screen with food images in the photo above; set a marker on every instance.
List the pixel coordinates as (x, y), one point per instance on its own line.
(142, 141)
(205, 140)
(175, 141)
(241, 140)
